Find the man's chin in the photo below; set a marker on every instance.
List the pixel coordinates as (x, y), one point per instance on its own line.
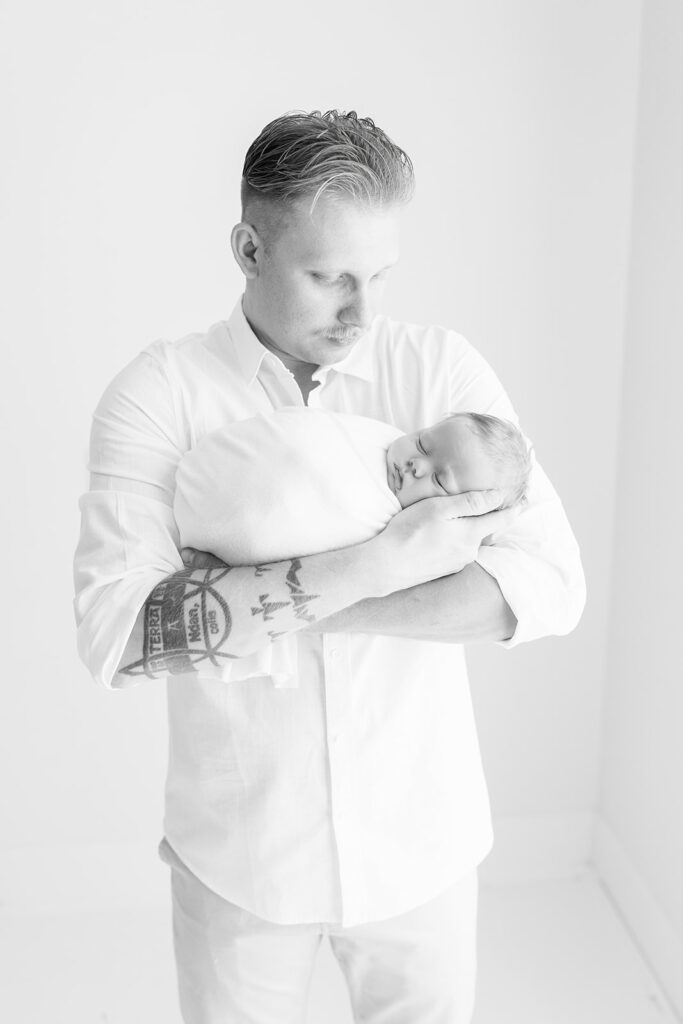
(335, 349)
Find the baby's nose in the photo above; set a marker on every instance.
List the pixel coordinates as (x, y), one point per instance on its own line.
(415, 466)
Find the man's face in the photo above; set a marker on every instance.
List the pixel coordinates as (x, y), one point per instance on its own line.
(320, 283)
(444, 459)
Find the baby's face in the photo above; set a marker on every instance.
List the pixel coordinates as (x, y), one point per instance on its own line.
(444, 459)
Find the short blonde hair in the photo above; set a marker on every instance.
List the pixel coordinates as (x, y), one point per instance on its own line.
(308, 155)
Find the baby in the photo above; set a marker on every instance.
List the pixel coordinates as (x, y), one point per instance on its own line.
(297, 481)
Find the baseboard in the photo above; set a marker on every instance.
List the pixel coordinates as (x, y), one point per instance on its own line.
(650, 928)
(58, 879)
(531, 848)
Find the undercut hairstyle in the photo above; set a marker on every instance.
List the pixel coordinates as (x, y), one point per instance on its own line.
(505, 445)
(338, 154)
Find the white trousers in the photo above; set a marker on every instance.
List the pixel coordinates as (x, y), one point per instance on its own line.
(235, 968)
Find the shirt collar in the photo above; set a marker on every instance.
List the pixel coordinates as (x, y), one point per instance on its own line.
(250, 352)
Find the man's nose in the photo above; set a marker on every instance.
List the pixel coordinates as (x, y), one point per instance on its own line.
(357, 312)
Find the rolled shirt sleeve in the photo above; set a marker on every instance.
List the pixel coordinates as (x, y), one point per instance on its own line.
(536, 561)
(127, 546)
(128, 541)
(537, 566)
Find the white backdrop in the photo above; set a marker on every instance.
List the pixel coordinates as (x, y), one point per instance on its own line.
(123, 144)
(641, 841)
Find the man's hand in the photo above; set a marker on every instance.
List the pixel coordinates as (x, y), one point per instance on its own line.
(193, 559)
(439, 536)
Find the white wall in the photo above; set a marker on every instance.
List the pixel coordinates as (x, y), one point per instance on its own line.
(123, 149)
(642, 775)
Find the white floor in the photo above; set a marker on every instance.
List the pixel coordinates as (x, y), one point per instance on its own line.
(549, 952)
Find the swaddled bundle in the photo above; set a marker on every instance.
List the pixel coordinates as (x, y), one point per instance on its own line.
(293, 482)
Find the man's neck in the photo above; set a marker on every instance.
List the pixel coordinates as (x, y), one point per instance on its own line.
(303, 375)
(302, 372)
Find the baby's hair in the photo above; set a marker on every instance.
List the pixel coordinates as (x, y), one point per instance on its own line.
(505, 445)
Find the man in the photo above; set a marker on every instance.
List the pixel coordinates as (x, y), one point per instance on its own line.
(353, 804)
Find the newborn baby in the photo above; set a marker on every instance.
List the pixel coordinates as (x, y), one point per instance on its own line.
(298, 481)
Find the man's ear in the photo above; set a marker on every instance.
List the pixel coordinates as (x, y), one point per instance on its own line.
(247, 248)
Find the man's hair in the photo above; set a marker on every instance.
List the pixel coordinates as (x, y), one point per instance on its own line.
(505, 445)
(338, 154)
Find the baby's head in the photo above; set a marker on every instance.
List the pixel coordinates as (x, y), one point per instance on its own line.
(467, 451)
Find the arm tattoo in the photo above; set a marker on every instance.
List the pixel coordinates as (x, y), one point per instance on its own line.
(299, 598)
(266, 607)
(186, 621)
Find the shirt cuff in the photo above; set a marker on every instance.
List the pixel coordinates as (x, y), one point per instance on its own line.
(546, 599)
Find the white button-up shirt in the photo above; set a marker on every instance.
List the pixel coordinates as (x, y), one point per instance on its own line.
(360, 793)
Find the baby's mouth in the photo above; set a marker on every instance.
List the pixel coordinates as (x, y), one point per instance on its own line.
(398, 478)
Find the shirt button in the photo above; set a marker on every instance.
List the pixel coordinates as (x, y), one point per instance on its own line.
(334, 653)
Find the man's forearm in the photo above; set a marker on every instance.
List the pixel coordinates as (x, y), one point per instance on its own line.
(463, 608)
(195, 619)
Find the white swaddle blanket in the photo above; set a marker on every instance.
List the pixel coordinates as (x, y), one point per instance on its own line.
(293, 482)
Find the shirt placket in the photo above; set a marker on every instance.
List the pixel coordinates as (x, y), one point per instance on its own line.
(340, 744)
(278, 383)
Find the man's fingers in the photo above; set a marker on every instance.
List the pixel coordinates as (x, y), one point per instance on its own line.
(194, 559)
(474, 503)
(482, 506)
(188, 556)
